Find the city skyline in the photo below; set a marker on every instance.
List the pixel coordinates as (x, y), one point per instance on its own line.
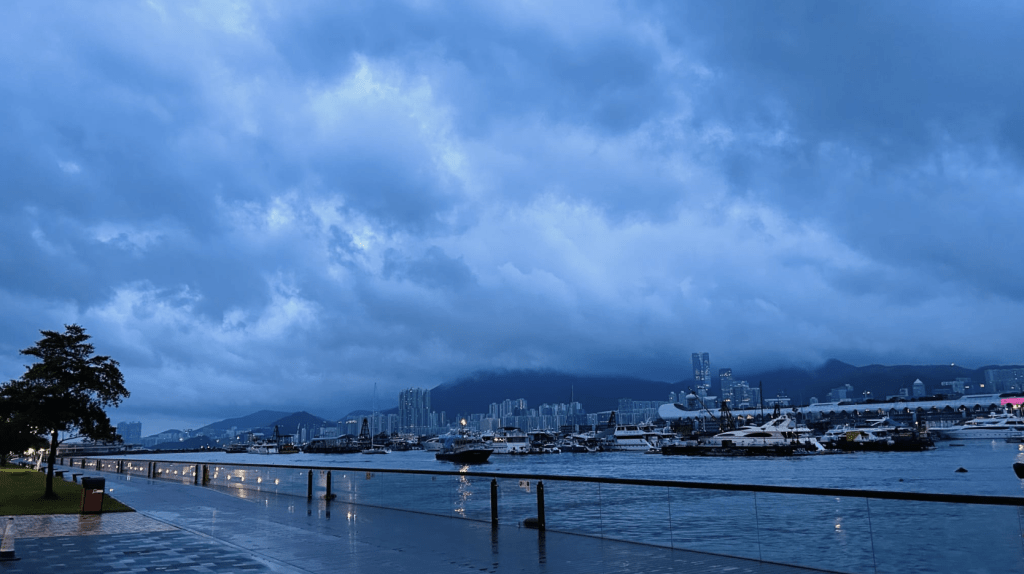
(267, 206)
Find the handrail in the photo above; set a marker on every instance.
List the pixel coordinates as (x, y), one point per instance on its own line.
(839, 492)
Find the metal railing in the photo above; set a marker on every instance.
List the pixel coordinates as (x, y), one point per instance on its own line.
(825, 528)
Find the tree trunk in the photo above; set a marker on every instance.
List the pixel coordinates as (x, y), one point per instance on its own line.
(51, 460)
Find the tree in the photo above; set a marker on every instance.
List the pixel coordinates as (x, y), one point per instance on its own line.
(68, 390)
(16, 435)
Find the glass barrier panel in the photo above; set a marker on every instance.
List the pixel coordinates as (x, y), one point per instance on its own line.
(827, 532)
(471, 497)
(954, 538)
(429, 494)
(634, 513)
(714, 521)
(517, 500)
(569, 506)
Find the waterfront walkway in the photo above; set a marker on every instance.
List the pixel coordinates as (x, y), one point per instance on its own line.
(186, 528)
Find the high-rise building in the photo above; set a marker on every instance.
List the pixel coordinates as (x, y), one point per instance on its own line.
(918, 387)
(725, 377)
(414, 410)
(131, 433)
(1004, 380)
(701, 368)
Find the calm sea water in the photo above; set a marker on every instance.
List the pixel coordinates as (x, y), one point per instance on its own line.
(845, 534)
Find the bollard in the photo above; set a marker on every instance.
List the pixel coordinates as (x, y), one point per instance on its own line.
(540, 505)
(309, 485)
(494, 502)
(328, 496)
(98, 464)
(83, 463)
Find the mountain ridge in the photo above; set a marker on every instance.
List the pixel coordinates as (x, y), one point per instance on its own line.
(474, 393)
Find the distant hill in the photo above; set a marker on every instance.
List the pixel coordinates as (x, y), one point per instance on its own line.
(475, 393)
(255, 420)
(288, 424)
(194, 443)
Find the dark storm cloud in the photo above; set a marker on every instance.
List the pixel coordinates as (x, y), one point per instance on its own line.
(254, 204)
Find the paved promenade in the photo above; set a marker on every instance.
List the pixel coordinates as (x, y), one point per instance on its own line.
(186, 528)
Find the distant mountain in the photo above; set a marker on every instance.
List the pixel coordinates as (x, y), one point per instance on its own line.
(475, 393)
(194, 443)
(288, 424)
(255, 420)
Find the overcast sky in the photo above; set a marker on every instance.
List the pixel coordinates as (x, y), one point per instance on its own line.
(278, 205)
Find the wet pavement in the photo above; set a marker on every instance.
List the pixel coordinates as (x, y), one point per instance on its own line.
(186, 528)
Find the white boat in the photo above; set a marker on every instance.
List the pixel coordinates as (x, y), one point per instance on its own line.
(432, 444)
(263, 446)
(463, 447)
(1000, 426)
(508, 440)
(878, 435)
(629, 438)
(781, 431)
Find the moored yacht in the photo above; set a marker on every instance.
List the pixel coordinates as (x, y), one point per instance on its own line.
(878, 435)
(995, 426)
(508, 440)
(629, 438)
(781, 436)
(463, 447)
(263, 446)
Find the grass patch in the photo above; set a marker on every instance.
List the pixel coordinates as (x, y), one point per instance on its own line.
(21, 492)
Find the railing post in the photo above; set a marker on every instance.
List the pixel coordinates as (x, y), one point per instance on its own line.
(309, 485)
(494, 502)
(328, 495)
(206, 475)
(540, 505)
(196, 481)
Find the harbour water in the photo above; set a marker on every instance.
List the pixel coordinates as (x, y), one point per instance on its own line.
(845, 534)
(988, 465)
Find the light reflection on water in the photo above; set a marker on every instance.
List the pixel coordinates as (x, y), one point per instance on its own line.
(839, 533)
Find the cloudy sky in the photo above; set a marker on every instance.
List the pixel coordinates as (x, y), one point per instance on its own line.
(280, 204)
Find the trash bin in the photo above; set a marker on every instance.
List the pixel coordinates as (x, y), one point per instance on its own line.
(92, 494)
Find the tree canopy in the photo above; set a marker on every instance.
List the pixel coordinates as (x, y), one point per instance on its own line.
(67, 390)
